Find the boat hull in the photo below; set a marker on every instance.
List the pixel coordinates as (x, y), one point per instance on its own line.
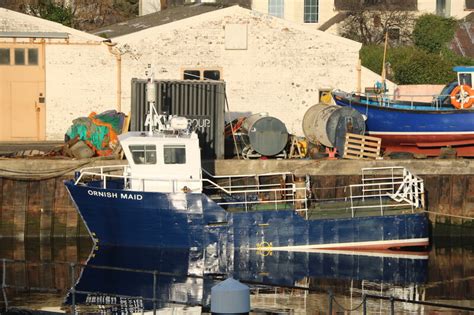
(417, 130)
(178, 220)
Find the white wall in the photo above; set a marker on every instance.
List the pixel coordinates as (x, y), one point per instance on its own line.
(281, 72)
(149, 6)
(454, 8)
(294, 10)
(80, 71)
(80, 79)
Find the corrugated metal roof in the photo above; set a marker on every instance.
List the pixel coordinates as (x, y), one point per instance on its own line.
(159, 18)
(59, 35)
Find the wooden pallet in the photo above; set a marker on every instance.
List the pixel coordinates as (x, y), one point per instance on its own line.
(361, 147)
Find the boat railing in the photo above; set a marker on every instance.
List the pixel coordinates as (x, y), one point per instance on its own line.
(382, 183)
(388, 100)
(273, 195)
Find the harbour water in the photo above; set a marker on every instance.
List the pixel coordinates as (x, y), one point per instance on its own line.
(39, 275)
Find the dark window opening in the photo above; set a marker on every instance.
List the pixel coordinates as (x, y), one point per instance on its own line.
(377, 21)
(470, 4)
(192, 75)
(143, 154)
(174, 154)
(394, 34)
(20, 56)
(4, 56)
(33, 56)
(212, 75)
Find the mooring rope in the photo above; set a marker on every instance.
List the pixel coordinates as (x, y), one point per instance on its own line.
(364, 298)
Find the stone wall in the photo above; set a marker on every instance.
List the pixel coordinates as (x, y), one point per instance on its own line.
(281, 69)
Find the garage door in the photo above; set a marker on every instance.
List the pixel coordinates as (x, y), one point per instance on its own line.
(22, 99)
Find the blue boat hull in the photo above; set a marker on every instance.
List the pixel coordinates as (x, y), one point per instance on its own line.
(419, 125)
(166, 220)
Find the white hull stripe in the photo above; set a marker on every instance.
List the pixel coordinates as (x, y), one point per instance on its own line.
(372, 244)
(421, 133)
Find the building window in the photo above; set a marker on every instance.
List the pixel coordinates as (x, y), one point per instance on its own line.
(174, 154)
(441, 7)
(211, 75)
(4, 56)
(143, 154)
(19, 56)
(469, 4)
(394, 34)
(202, 74)
(311, 8)
(192, 75)
(33, 56)
(276, 8)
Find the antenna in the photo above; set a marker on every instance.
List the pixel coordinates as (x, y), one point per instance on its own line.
(152, 118)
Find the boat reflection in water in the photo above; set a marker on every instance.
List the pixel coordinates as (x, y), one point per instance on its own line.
(128, 279)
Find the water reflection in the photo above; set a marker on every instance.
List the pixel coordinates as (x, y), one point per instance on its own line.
(297, 281)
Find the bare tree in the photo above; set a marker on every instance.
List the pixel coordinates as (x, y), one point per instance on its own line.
(369, 25)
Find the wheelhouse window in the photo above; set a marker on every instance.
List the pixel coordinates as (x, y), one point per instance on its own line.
(276, 8)
(143, 154)
(311, 8)
(174, 154)
(465, 78)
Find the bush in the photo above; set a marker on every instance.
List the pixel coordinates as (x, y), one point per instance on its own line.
(432, 32)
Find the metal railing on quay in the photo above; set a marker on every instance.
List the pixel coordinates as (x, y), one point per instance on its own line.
(388, 100)
(365, 297)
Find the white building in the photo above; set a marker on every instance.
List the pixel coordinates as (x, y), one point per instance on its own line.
(51, 74)
(269, 64)
(318, 12)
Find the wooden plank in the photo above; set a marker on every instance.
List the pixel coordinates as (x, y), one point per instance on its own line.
(458, 194)
(7, 218)
(60, 210)
(33, 211)
(20, 195)
(48, 188)
(468, 206)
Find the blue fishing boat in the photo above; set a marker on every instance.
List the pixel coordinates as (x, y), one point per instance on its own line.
(420, 127)
(163, 198)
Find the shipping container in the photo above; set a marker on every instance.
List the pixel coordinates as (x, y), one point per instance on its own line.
(202, 102)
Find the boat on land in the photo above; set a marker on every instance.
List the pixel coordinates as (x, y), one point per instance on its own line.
(420, 127)
(164, 199)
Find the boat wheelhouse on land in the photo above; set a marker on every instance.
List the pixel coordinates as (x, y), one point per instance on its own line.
(420, 127)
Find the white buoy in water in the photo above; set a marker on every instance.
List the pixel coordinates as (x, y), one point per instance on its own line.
(230, 297)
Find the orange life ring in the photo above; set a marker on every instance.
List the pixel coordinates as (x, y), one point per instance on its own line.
(462, 101)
